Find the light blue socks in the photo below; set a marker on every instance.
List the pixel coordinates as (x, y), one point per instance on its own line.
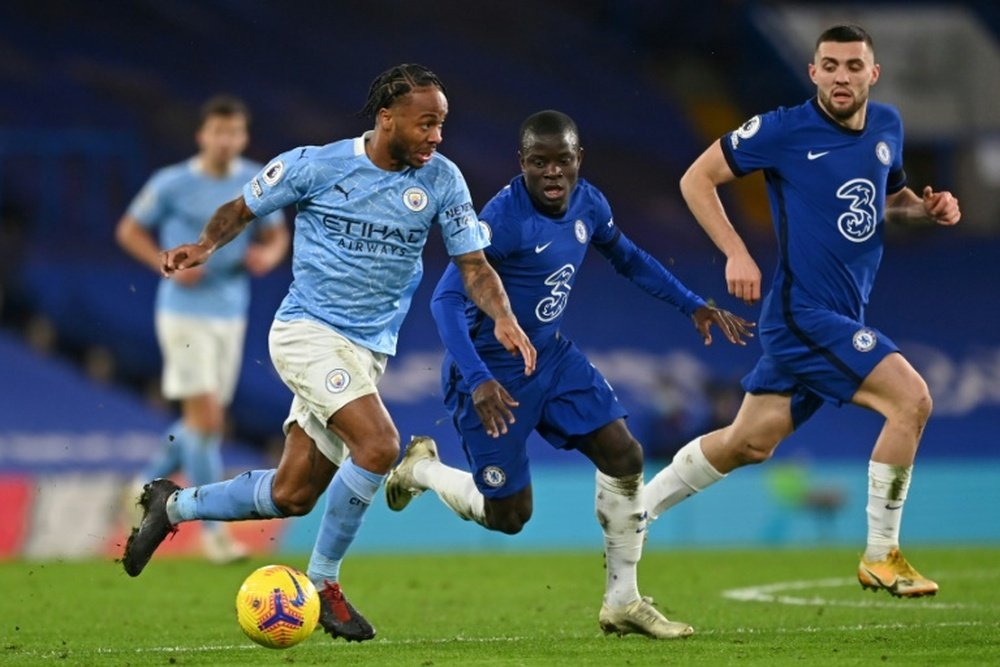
(347, 499)
(247, 496)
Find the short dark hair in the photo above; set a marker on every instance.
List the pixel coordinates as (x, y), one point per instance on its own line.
(846, 33)
(547, 123)
(223, 105)
(395, 82)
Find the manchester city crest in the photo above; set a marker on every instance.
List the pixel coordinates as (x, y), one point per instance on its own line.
(337, 380)
(415, 199)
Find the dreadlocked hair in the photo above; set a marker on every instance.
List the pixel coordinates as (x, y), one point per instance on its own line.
(395, 82)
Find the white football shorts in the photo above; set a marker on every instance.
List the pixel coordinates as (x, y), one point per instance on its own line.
(201, 355)
(325, 372)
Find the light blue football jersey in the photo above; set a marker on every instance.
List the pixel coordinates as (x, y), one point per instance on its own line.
(175, 204)
(359, 234)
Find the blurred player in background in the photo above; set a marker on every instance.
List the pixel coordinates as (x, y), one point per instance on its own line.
(834, 169)
(201, 314)
(542, 224)
(365, 207)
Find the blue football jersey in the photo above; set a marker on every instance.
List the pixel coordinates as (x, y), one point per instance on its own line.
(537, 258)
(827, 186)
(359, 233)
(175, 204)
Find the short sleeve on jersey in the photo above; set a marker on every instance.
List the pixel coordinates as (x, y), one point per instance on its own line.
(283, 181)
(754, 144)
(459, 225)
(150, 206)
(605, 231)
(496, 216)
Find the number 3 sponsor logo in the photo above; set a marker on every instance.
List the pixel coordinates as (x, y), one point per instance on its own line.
(858, 222)
(550, 307)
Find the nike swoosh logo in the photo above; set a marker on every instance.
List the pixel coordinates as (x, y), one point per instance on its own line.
(300, 595)
(890, 507)
(540, 248)
(812, 156)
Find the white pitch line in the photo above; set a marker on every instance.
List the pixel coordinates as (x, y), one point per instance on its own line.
(208, 648)
(858, 627)
(805, 630)
(769, 593)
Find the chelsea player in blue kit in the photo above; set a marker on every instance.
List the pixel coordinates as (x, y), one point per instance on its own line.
(364, 209)
(834, 173)
(542, 224)
(201, 316)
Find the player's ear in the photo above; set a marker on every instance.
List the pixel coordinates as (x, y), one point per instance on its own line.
(520, 159)
(384, 119)
(876, 71)
(812, 72)
(579, 156)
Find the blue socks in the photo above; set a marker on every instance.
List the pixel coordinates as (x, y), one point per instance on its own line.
(347, 499)
(168, 460)
(201, 455)
(198, 454)
(247, 496)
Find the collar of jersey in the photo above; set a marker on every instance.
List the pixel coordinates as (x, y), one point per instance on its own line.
(195, 165)
(359, 143)
(846, 130)
(522, 191)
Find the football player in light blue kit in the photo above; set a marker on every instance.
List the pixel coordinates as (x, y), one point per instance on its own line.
(834, 171)
(365, 207)
(542, 225)
(201, 316)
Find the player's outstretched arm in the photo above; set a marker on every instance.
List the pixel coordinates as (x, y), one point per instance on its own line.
(483, 286)
(699, 186)
(228, 220)
(267, 250)
(491, 400)
(733, 327)
(907, 208)
(138, 242)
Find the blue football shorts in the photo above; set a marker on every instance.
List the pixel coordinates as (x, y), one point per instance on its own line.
(564, 399)
(821, 356)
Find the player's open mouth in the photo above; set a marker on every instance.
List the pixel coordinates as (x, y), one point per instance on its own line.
(842, 95)
(425, 156)
(553, 191)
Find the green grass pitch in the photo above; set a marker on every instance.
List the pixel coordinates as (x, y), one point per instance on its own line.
(758, 607)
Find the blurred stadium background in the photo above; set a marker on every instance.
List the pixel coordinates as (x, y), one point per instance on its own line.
(95, 96)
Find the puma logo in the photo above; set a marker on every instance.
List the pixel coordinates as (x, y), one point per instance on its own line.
(341, 190)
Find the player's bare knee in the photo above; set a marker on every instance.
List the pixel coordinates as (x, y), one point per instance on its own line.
(914, 408)
(507, 518)
(918, 412)
(754, 453)
(378, 453)
(923, 405)
(293, 500)
(384, 451)
(509, 523)
(629, 459)
(623, 461)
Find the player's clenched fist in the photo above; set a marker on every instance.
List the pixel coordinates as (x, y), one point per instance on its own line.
(743, 278)
(183, 257)
(942, 207)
